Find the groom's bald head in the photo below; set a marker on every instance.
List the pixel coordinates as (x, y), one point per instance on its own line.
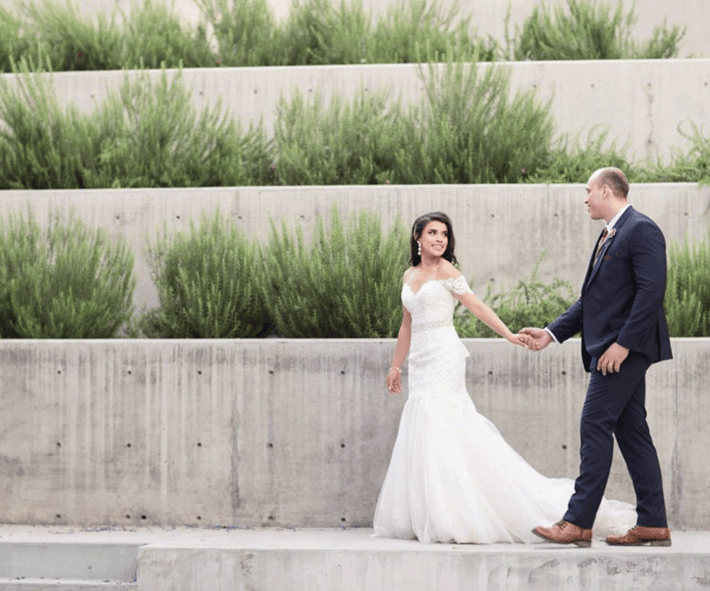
(614, 178)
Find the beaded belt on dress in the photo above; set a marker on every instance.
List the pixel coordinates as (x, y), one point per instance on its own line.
(422, 326)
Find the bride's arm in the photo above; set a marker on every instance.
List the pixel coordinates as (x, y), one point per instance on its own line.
(394, 375)
(481, 311)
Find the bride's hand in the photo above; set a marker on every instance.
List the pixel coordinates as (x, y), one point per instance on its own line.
(394, 381)
(539, 338)
(521, 339)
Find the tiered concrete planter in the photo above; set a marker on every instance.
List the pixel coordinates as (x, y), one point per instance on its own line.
(298, 433)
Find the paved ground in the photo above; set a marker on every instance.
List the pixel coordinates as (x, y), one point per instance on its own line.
(311, 539)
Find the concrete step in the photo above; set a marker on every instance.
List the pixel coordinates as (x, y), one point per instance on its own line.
(63, 585)
(193, 559)
(64, 564)
(349, 560)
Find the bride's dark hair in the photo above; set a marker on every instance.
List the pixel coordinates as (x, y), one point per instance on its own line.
(418, 228)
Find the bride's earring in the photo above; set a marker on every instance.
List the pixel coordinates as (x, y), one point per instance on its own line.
(419, 248)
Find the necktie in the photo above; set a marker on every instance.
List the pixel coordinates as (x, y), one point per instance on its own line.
(601, 243)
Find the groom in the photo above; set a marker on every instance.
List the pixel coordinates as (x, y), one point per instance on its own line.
(621, 318)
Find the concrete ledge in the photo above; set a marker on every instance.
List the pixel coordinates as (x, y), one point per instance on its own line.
(343, 559)
(645, 108)
(288, 433)
(346, 561)
(30, 584)
(90, 563)
(501, 230)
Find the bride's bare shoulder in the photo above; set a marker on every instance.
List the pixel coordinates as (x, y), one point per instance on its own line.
(448, 271)
(408, 274)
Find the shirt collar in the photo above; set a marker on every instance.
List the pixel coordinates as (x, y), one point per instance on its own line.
(612, 223)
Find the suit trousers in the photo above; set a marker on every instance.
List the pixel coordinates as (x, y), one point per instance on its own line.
(615, 406)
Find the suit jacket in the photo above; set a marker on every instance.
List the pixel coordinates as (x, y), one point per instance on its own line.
(622, 294)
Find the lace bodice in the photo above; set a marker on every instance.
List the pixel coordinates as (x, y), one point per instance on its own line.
(436, 354)
(433, 304)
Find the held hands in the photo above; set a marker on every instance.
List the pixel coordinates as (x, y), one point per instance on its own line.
(539, 338)
(394, 380)
(612, 358)
(520, 339)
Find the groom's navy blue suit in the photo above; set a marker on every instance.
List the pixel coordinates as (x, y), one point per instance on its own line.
(621, 302)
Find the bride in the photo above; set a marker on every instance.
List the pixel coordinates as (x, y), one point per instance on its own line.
(452, 477)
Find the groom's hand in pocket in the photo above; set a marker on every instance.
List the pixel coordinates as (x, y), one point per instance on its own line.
(540, 337)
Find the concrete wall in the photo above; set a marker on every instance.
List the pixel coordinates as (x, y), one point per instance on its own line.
(489, 16)
(646, 105)
(501, 230)
(288, 433)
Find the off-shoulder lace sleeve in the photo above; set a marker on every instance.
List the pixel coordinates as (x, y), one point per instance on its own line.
(458, 285)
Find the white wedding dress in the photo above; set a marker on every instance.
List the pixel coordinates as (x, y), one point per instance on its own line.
(452, 477)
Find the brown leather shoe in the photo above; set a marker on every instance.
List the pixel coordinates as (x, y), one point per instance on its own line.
(640, 535)
(564, 532)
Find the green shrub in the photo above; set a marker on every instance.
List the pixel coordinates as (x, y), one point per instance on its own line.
(345, 284)
(149, 36)
(415, 31)
(154, 37)
(151, 136)
(319, 32)
(691, 165)
(687, 300)
(245, 31)
(13, 44)
(146, 135)
(209, 284)
(571, 161)
(465, 130)
(354, 143)
(69, 40)
(65, 282)
(42, 144)
(663, 43)
(586, 30)
(532, 302)
(469, 130)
